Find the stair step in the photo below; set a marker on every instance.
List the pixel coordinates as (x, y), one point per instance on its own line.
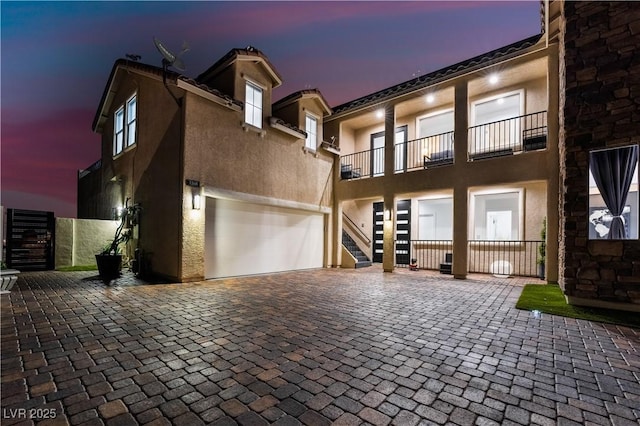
(362, 259)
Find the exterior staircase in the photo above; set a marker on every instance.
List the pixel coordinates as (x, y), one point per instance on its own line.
(349, 244)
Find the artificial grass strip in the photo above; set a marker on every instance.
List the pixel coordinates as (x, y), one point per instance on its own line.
(549, 299)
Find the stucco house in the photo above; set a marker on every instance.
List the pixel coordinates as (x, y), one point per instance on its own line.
(229, 183)
(459, 170)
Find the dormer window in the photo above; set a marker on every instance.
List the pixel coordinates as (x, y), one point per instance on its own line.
(125, 136)
(311, 128)
(253, 105)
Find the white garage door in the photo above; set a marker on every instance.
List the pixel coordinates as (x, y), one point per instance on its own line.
(243, 238)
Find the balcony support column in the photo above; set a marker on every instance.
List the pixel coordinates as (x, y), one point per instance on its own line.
(389, 214)
(460, 186)
(336, 226)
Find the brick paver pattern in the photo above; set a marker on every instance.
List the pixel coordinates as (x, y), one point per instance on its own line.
(314, 347)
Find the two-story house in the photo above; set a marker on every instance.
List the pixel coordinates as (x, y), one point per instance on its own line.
(521, 155)
(229, 183)
(463, 161)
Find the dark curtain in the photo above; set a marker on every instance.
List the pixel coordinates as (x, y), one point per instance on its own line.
(612, 170)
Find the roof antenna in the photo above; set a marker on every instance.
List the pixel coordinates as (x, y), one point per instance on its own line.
(170, 60)
(133, 57)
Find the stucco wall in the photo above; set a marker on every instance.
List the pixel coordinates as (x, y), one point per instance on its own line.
(79, 240)
(148, 173)
(600, 86)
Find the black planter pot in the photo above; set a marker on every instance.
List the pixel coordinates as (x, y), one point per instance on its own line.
(109, 265)
(541, 271)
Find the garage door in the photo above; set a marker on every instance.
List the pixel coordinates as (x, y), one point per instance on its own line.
(244, 238)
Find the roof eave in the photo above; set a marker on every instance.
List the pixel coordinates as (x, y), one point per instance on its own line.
(529, 45)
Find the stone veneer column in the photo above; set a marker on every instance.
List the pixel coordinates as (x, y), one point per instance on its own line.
(553, 185)
(460, 188)
(599, 93)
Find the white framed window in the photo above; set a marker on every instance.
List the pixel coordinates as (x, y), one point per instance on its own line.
(613, 193)
(311, 127)
(497, 215)
(253, 105)
(436, 133)
(124, 125)
(435, 219)
(118, 131)
(132, 107)
(495, 122)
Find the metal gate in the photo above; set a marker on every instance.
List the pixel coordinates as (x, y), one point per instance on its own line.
(30, 240)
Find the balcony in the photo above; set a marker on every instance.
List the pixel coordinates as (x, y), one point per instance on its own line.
(506, 137)
(431, 151)
(499, 138)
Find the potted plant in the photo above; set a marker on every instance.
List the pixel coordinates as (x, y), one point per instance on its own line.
(109, 261)
(8, 278)
(542, 250)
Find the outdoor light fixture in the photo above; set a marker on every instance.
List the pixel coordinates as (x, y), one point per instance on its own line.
(387, 214)
(430, 99)
(197, 201)
(380, 113)
(116, 213)
(493, 78)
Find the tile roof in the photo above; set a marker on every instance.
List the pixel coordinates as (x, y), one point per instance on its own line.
(234, 53)
(171, 76)
(300, 94)
(437, 76)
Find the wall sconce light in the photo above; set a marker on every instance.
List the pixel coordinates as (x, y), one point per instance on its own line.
(116, 213)
(387, 214)
(197, 201)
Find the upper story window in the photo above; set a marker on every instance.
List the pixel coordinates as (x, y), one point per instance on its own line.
(125, 136)
(496, 123)
(118, 131)
(253, 105)
(132, 106)
(613, 193)
(311, 127)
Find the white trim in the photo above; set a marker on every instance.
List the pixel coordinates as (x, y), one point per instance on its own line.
(472, 105)
(254, 82)
(308, 114)
(433, 114)
(497, 191)
(226, 194)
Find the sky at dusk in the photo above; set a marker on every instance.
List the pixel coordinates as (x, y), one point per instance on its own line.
(56, 58)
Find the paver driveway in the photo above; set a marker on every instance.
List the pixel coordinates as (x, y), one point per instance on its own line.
(313, 347)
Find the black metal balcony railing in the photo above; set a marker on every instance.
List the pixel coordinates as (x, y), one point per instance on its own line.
(504, 137)
(504, 257)
(362, 164)
(428, 254)
(485, 257)
(430, 151)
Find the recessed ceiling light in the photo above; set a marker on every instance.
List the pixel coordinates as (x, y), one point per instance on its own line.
(500, 101)
(493, 78)
(379, 113)
(430, 98)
